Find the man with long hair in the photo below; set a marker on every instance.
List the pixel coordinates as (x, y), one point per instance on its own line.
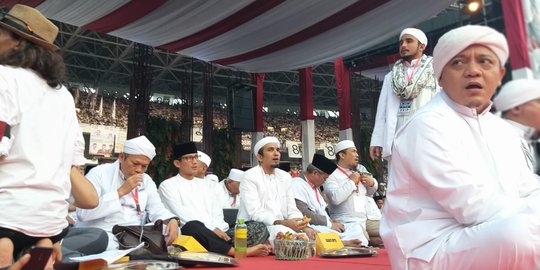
(38, 135)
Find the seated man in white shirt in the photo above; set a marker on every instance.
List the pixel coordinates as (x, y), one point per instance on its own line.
(267, 195)
(347, 188)
(310, 202)
(204, 164)
(519, 104)
(194, 201)
(230, 189)
(127, 195)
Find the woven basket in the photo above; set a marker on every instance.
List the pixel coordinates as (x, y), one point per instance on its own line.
(290, 249)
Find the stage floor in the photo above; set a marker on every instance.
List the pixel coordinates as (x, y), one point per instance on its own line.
(376, 262)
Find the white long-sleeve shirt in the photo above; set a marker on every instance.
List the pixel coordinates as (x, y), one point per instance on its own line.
(227, 199)
(453, 169)
(193, 200)
(112, 210)
(387, 121)
(267, 198)
(35, 162)
(347, 201)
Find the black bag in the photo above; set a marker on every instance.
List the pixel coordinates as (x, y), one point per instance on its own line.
(152, 236)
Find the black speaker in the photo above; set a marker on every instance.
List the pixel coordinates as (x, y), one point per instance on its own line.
(241, 112)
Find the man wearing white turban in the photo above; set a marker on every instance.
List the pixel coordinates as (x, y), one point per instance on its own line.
(519, 104)
(467, 200)
(267, 194)
(407, 87)
(348, 188)
(127, 195)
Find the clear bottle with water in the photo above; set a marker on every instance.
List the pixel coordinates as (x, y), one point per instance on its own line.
(240, 240)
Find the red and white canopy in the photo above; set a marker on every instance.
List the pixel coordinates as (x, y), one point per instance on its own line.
(249, 35)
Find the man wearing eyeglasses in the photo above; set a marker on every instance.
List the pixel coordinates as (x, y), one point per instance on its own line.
(127, 195)
(195, 201)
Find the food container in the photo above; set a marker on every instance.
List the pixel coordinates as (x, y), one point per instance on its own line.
(291, 249)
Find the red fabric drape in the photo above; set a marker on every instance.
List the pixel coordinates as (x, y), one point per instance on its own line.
(516, 33)
(343, 89)
(259, 77)
(124, 15)
(306, 93)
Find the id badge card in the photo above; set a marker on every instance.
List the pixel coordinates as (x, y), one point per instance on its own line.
(405, 107)
(358, 204)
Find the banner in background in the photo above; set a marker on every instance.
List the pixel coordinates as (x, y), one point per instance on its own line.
(294, 149)
(328, 149)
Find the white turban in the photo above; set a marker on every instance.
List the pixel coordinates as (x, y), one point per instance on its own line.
(417, 33)
(344, 145)
(457, 40)
(236, 175)
(264, 141)
(515, 93)
(140, 146)
(204, 158)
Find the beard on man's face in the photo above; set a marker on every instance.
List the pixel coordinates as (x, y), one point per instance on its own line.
(274, 165)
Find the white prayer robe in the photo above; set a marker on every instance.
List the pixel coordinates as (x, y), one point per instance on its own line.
(303, 192)
(193, 200)
(460, 195)
(387, 121)
(227, 200)
(345, 203)
(267, 198)
(524, 133)
(112, 210)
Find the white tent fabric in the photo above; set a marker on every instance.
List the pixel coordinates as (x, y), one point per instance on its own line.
(253, 36)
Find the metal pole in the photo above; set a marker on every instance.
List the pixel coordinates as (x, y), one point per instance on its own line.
(484, 14)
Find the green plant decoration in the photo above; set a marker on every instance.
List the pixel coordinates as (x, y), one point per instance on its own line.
(164, 134)
(224, 152)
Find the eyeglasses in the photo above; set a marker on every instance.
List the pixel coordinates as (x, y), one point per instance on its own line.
(190, 158)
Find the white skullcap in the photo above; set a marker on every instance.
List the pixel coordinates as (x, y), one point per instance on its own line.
(236, 175)
(212, 177)
(417, 33)
(457, 40)
(204, 158)
(515, 93)
(140, 146)
(344, 145)
(264, 141)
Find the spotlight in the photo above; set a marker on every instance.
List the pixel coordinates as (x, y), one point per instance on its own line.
(473, 6)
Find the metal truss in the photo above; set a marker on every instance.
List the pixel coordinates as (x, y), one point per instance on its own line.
(106, 62)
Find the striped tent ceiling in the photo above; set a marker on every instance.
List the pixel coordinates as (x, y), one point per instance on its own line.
(248, 35)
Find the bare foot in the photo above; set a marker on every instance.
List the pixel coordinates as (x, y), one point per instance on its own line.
(258, 250)
(352, 243)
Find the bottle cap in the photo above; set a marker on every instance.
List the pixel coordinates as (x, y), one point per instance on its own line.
(240, 221)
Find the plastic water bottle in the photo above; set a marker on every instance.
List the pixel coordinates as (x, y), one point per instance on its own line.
(240, 240)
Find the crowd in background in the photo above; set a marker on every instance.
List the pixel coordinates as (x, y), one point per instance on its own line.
(92, 111)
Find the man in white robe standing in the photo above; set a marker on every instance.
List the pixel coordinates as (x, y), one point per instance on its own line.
(194, 201)
(519, 104)
(347, 189)
(311, 203)
(460, 194)
(267, 195)
(407, 87)
(127, 195)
